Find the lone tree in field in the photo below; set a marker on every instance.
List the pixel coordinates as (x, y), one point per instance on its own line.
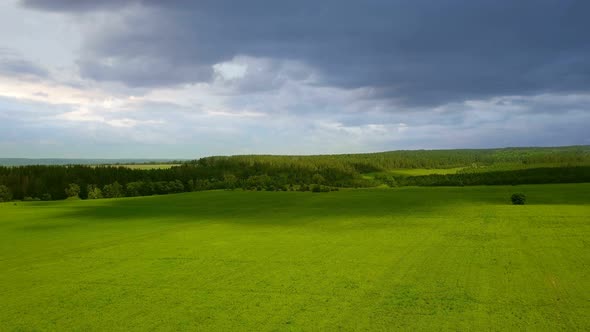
(5, 194)
(518, 199)
(73, 190)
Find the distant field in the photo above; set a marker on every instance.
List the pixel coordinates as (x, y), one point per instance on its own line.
(458, 258)
(478, 169)
(518, 166)
(139, 166)
(424, 171)
(65, 161)
(148, 166)
(413, 172)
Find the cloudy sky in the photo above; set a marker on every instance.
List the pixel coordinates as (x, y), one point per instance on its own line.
(184, 79)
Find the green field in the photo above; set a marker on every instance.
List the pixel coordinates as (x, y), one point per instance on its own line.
(423, 171)
(411, 258)
(402, 172)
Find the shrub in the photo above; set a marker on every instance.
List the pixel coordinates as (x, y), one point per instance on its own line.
(304, 187)
(317, 178)
(176, 186)
(46, 197)
(518, 199)
(5, 194)
(94, 192)
(317, 188)
(191, 185)
(113, 190)
(73, 190)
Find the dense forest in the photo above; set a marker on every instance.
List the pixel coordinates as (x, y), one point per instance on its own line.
(305, 173)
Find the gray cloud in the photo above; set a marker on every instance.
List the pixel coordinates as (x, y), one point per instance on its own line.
(143, 71)
(12, 64)
(166, 129)
(75, 5)
(296, 77)
(421, 52)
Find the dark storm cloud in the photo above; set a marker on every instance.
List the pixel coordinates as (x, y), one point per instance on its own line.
(422, 52)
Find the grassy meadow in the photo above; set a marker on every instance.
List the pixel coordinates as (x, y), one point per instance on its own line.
(415, 171)
(422, 171)
(444, 258)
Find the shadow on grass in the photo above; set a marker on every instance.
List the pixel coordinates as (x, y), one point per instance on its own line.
(294, 208)
(252, 207)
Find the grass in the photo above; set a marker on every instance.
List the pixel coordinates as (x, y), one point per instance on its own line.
(424, 171)
(392, 259)
(413, 172)
(499, 167)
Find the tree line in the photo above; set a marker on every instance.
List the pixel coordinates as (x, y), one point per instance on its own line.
(60, 182)
(284, 173)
